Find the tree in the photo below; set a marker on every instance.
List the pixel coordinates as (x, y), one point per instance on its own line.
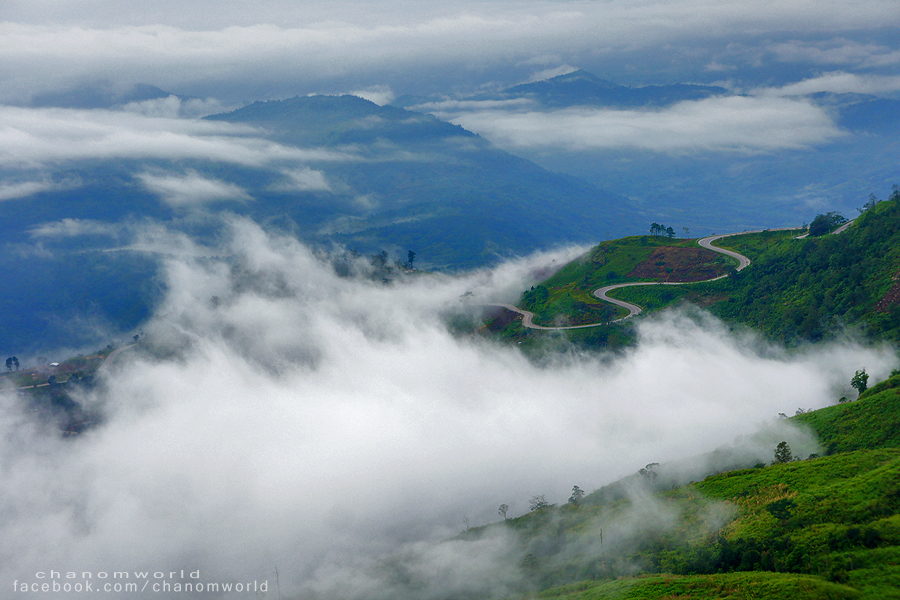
(670, 233)
(823, 224)
(410, 257)
(783, 454)
(538, 502)
(860, 381)
(781, 509)
(873, 200)
(9, 364)
(577, 495)
(379, 261)
(504, 508)
(15, 362)
(648, 472)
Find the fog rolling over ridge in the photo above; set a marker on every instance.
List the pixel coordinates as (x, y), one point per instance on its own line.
(283, 417)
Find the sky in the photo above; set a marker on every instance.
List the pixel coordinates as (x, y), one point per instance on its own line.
(218, 56)
(236, 53)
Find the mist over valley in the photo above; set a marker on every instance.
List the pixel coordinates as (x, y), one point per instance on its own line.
(310, 301)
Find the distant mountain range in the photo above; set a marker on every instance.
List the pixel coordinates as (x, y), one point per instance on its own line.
(711, 190)
(101, 95)
(581, 88)
(373, 178)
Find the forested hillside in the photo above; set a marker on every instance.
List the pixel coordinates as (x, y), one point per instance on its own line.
(810, 289)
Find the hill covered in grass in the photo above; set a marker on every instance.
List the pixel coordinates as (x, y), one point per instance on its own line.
(567, 296)
(796, 289)
(801, 527)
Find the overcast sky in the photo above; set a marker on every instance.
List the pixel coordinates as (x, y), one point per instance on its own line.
(225, 54)
(237, 52)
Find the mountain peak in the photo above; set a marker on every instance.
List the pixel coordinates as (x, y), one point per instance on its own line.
(582, 75)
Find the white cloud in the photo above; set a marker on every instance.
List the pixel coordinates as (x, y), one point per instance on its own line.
(191, 189)
(76, 227)
(840, 51)
(9, 191)
(551, 72)
(839, 82)
(173, 107)
(722, 123)
(37, 138)
(379, 94)
(303, 180)
(314, 423)
(214, 50)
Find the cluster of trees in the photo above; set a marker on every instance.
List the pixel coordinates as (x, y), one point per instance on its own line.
(826, 223)
(380, 260)
(11, 362)
(540, 502)
(873, 199)
(659, 229)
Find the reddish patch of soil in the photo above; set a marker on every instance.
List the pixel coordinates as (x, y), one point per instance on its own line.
(675, 264)
(891, 297)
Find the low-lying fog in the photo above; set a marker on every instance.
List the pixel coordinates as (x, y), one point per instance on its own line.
(281, 417)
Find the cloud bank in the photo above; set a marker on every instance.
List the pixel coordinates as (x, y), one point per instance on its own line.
(224, 50)
(280, 416)
(733, 123)
(44, 138)
(191, 189)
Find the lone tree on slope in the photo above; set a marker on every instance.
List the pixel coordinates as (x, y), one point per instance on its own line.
(783, 454)
(577, 495)
(860, 381)
(538, 502)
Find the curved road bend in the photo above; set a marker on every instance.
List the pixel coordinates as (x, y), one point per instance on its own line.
(111, 356)
(634, 309)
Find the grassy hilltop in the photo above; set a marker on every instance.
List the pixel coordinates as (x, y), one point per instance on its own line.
(795, 290)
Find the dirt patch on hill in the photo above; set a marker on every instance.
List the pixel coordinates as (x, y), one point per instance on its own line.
(669, 263)
(892, 296)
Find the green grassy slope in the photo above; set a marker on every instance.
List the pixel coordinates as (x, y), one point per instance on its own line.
(871, 422)
(824, 527)
(795, 290)
(567, 297)
(808, 289)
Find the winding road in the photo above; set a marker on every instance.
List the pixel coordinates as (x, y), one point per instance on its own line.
(634, 309)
